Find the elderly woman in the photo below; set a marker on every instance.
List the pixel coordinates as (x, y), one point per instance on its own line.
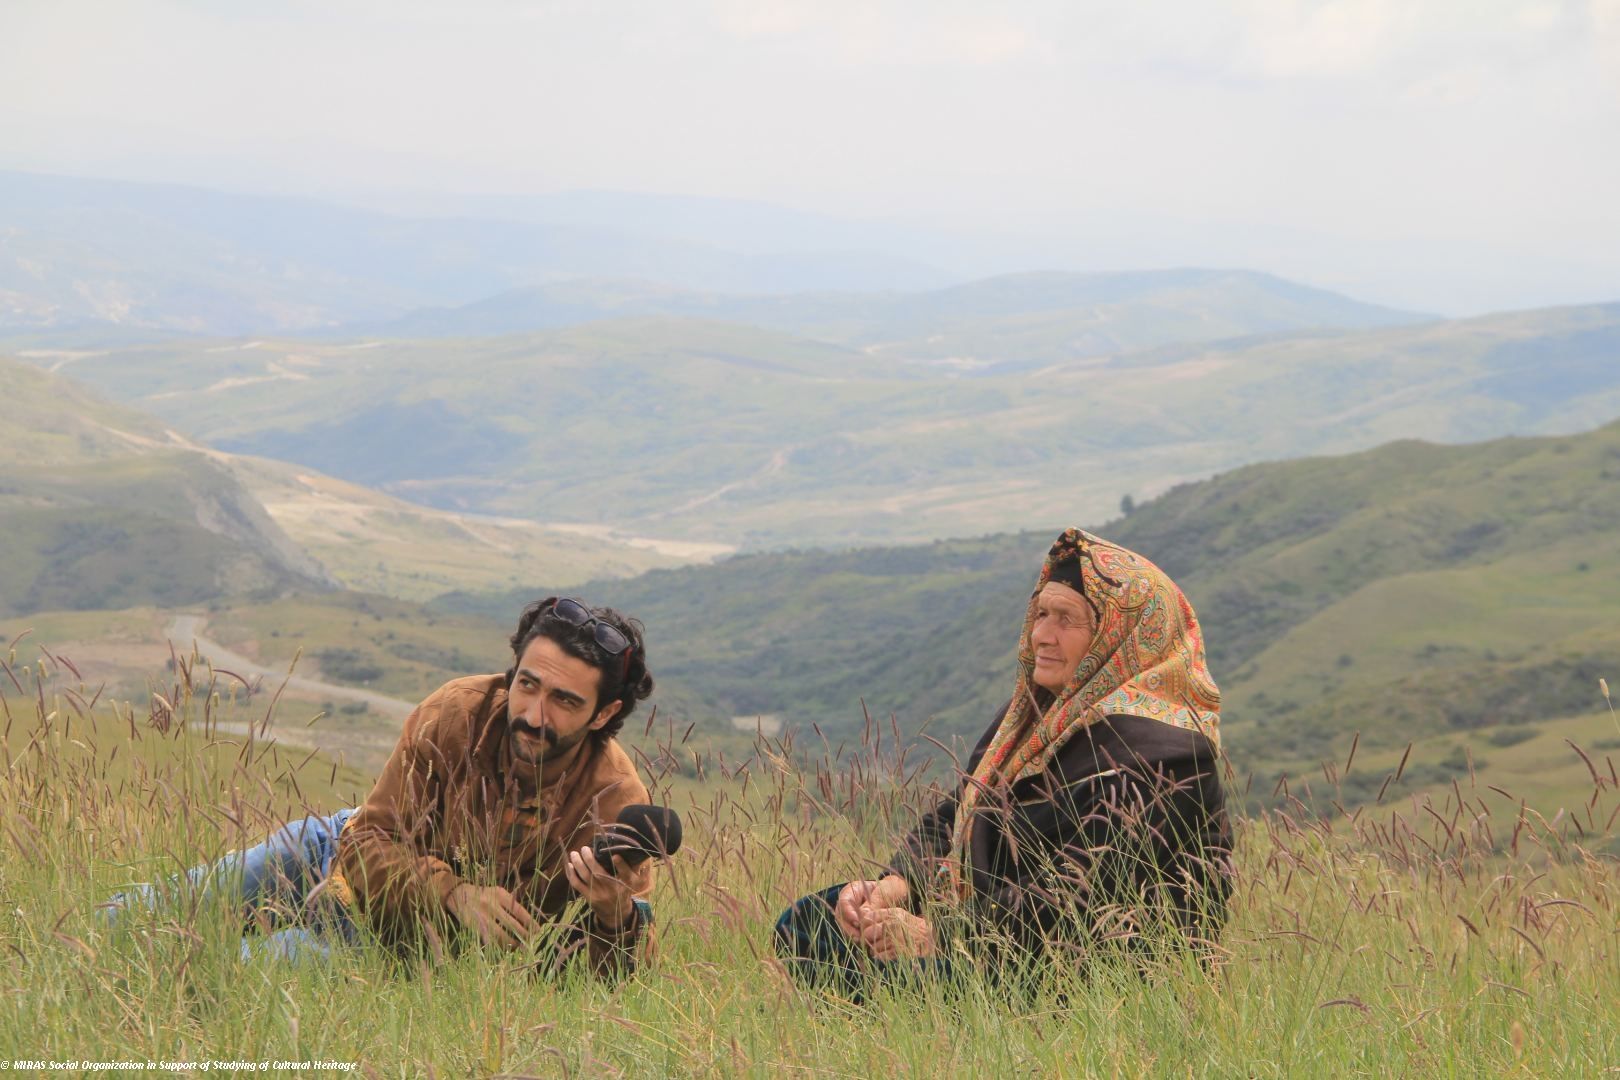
(1090, 811)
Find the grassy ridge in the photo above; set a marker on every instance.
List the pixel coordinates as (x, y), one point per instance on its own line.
(54, 421)
(103, 507)
(1461, 597)
(1392, 943)
(374, 543)
(1412, 590)
(161, 528)
(1449, 594)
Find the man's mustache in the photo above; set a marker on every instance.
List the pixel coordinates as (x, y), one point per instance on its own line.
(546, 734)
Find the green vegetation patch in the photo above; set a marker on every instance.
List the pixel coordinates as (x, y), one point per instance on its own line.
(688, 428)
(1406, 592)
(1436, 938)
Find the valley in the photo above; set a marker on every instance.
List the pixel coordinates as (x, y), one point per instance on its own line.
(825, 502)
(744, 437)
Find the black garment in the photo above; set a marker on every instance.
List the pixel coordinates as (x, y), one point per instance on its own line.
(1124, 835)
(810, 942)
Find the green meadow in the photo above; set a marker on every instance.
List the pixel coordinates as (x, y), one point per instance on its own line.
(1457, 934)
(1411, 640)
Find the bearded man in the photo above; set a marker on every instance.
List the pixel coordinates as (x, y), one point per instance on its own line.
(480, 827)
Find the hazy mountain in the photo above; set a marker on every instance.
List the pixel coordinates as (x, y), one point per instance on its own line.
(1016, 321)
(84, 253)
(1463, 595)
(746, 226)
(718, 432)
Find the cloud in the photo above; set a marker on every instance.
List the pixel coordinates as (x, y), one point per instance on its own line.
(1413, 130)
(1605, 21)
(1438, 48)
(1294, 38)
(907, 34)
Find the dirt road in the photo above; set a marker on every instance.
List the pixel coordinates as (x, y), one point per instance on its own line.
(187, 630)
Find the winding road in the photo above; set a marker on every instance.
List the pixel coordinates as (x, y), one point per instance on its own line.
(186, 632)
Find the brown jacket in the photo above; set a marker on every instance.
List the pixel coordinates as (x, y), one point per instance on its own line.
(446, 810)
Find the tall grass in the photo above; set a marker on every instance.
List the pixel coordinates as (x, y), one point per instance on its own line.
(1461, 933)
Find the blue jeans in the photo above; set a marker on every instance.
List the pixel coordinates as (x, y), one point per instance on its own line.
(271, 881)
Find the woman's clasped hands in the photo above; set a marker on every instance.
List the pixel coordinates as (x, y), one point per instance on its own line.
(876, 914)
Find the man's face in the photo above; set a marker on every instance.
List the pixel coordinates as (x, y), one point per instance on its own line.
(551, 706)
(1060, 636)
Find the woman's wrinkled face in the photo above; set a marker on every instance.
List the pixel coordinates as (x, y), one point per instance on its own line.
(1063, 629)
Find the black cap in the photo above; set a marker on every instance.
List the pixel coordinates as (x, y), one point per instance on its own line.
(1066, 571)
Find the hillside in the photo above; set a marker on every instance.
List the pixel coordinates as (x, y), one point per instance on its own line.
(1432, 588)
(716, 432)
(1461, 596)
(166, 529)
(375, 543)
(56, 421)
(1010, 323)
(104, 507)
(1414, 940)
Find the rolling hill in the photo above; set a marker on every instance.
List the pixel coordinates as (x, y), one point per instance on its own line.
(1460, 596)
(376, 543)
(104, 507)
(1009, 323)
(717, 432)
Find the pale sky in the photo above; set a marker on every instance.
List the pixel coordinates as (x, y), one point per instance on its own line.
(1458, 157)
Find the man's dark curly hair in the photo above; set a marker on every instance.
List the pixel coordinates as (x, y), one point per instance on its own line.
(623, 678)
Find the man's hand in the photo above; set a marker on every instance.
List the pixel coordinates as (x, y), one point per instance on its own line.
(492, 913)
(860, 901)
(610, 893)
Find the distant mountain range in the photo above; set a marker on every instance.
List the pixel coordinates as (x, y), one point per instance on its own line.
(307, 398)
(79, 255)
(85, 261)
(1014, 322)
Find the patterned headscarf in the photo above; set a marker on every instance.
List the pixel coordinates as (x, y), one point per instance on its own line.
(1146, 659)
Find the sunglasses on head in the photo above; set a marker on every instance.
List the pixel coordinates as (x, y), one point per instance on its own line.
(574, 613)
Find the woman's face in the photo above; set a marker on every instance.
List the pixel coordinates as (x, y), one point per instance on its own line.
(1061, 635)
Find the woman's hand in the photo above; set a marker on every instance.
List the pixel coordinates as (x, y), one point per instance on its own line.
(896, 934)
(859, 900)
(610, 893)
(847, 911)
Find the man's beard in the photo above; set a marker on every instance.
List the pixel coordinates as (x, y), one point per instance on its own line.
(547, 743)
